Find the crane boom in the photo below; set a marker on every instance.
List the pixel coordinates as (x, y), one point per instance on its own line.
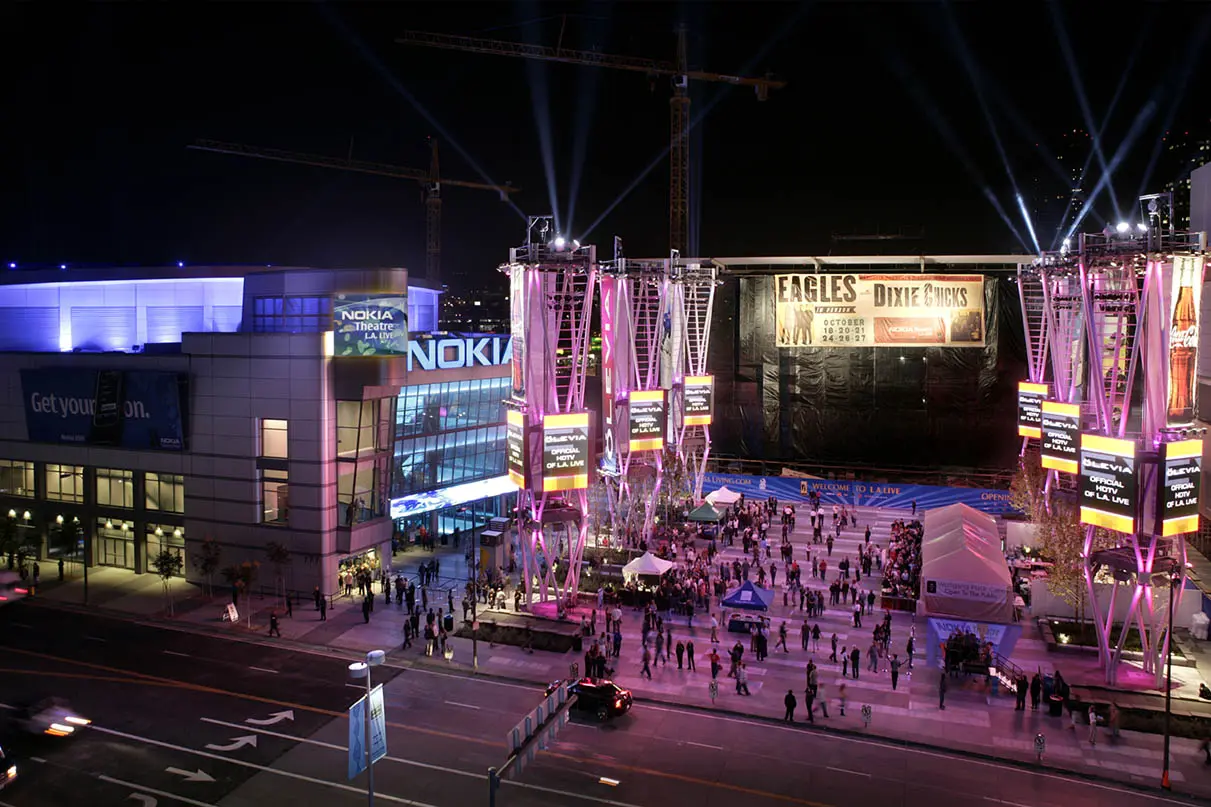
(635, 64)
(359, 166)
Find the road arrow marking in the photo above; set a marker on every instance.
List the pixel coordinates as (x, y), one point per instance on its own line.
(274, 717)
(236, 743)
(143, 798)
(191, 776)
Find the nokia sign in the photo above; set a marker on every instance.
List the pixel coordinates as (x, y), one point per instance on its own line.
(457, 351)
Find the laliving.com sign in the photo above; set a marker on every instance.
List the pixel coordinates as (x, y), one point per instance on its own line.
(815, 310)
(370, 324)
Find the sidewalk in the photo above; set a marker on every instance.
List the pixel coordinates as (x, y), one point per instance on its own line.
(970, 723)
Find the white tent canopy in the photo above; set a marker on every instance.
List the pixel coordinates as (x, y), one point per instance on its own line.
(723, 497)
(963, 569)
(647, 563)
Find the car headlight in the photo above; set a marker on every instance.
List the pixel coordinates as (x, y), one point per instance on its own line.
(12, 771)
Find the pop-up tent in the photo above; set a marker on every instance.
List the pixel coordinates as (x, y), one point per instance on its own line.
(963, 569)
(723, 497)
(647, 563)
(705, 513)
(749, 597)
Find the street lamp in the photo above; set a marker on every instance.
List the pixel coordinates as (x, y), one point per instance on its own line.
(359, 670)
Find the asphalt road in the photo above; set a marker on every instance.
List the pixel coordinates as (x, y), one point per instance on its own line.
(183, 718)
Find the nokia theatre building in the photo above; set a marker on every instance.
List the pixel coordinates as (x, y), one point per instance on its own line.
(148, 410)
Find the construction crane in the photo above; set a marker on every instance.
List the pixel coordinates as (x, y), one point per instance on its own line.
(431, 181)
(679, 104)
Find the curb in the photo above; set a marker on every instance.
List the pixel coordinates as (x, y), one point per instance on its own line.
(463, 671)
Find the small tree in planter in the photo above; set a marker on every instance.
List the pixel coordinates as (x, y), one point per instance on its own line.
(168, 565)
(241, 577)
(207, 561)
(279, 556)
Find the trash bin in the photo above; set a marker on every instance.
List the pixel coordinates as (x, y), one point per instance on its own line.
(448, 623)
(1055, 706)
(1199, 626)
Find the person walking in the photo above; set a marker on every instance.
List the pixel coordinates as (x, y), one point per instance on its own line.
(742, 680)
(289, 607)
(317, 597)
(809, 698)
(908, 648)
(782, 638)
(942, 691)
(823, 700)
(646, 669)
(715, 665)
(842, 697)
(1092, 724)
(895, 672)
(323, 609)
(714, 629)
(833, 656)
(1036, 691)
(689, 655)
(1113, 722)
(274, 628)
(855, 659)
(660, 649)
(816, 637)
(845, 662)
(680, 654)
(790, 703)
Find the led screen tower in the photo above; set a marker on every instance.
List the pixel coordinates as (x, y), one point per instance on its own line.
(1114, 345)
(552, 284)
(635, 322)
(692, 390)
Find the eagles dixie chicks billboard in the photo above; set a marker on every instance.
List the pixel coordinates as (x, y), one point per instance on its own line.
(813, 310)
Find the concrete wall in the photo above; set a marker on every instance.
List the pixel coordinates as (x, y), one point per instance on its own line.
(1043, 603)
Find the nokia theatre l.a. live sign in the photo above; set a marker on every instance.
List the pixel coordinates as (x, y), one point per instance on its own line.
(370, 324)
(458, 351)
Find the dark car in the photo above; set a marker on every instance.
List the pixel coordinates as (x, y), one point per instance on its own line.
(8, 768)
(600, 697)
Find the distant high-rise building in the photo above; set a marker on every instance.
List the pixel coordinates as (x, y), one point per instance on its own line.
(1056, 202)
(477, 312)
(1073, 155)
(1184, 151)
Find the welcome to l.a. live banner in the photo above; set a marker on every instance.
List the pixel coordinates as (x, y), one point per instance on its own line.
(870, 494)
(813, 310)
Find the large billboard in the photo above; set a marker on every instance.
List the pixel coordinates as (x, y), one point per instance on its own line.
(648, 420)
(1030, 409)
(565, 451)
(609, 295)
(139, 409)
(1060, 425)
(698, 400)
(1108, 483)
(813, 310)
(516, 450)
(1186, 298)
(370, 324)
(517, 326)
(1181, 478)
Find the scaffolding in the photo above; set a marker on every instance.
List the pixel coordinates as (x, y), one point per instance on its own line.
(691, 301)
(1098, 321)
(552, 286)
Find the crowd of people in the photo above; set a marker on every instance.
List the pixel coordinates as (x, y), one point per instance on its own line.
(902, 569)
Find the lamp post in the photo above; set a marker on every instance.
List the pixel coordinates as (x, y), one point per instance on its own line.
(1173, 580)
(358, 670)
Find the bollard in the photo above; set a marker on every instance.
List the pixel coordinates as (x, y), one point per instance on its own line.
(714, 690)
(866, 714)
(1040, 745)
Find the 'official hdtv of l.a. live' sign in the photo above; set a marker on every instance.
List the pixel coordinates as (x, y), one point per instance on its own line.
(137, 409)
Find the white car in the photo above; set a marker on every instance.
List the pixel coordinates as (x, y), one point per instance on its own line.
(52, 716)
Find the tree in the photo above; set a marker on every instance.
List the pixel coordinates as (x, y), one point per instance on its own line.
(279, 556)
(167, 565)
(1027, 490)
(10, 541)
(241, 576)
(1061, 540)
(207, 562)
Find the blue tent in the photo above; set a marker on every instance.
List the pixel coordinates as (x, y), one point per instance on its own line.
(749, 597)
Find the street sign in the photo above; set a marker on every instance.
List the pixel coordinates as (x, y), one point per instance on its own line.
(232, 615)
(378, 725)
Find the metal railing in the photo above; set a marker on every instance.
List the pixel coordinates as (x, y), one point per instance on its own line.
(955, 477)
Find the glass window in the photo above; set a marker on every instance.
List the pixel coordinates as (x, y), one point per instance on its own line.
(17, 478)
(355, 427)
(165, 492)
(165, 536)
(65, 483)
(274, 441)
(358, 495)
(292, 314)
(275, 496)
(115, 488)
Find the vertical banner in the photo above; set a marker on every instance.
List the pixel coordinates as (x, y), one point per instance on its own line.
(1186, 295)
(1030, 409)
(565, 451)
(1060, 425)
(609, 295)
(1181, 478)
(517, 325)
(648, 420)
(516, 450)
(1108, 485)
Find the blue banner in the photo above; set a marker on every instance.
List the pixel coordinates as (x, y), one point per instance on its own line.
(870, 494)
(138, 409)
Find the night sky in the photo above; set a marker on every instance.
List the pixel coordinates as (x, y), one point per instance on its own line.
(880, 128)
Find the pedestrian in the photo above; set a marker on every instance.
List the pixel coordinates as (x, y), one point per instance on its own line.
(842, 697)
(274, 628)
(1113, 721)
(741, 680)
(908, 648)
(323, 608)
(1205, 747)
(809, 697)
(680, 654)
(1092, 724)
(366, 610)
(816, 637)
(689, 655)
(895, 671)
(660, 655)
(833, 656)
(914, 507)
(646, 668)
(715, 665)
(714, 629)
(782, 638)
(845, 662)
(942, 691)
(289, 607)
(1036, 691)
(855, 659)
(819, 695)
(791, 703)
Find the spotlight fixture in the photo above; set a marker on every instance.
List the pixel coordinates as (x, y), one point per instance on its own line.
(1143, 228)
(1123, 227)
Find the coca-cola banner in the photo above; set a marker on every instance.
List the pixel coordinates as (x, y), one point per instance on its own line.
(814, 310)
(1187, 290)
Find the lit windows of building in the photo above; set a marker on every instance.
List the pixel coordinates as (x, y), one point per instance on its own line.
(65, 483)
(165, 492)
(115, 488)
(17, 478)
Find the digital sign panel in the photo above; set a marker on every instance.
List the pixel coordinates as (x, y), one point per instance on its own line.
(1182, 465)
(370, 324)
(565, 451)
(698, 400)
(515, 447)
(1060, 425)
(647, 420)
(1030, 409)
(879, 310)
(1108, 483)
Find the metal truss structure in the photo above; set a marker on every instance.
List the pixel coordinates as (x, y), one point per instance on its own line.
(552, 287)
(636, 329)
(691, 302)
(1098, 321)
